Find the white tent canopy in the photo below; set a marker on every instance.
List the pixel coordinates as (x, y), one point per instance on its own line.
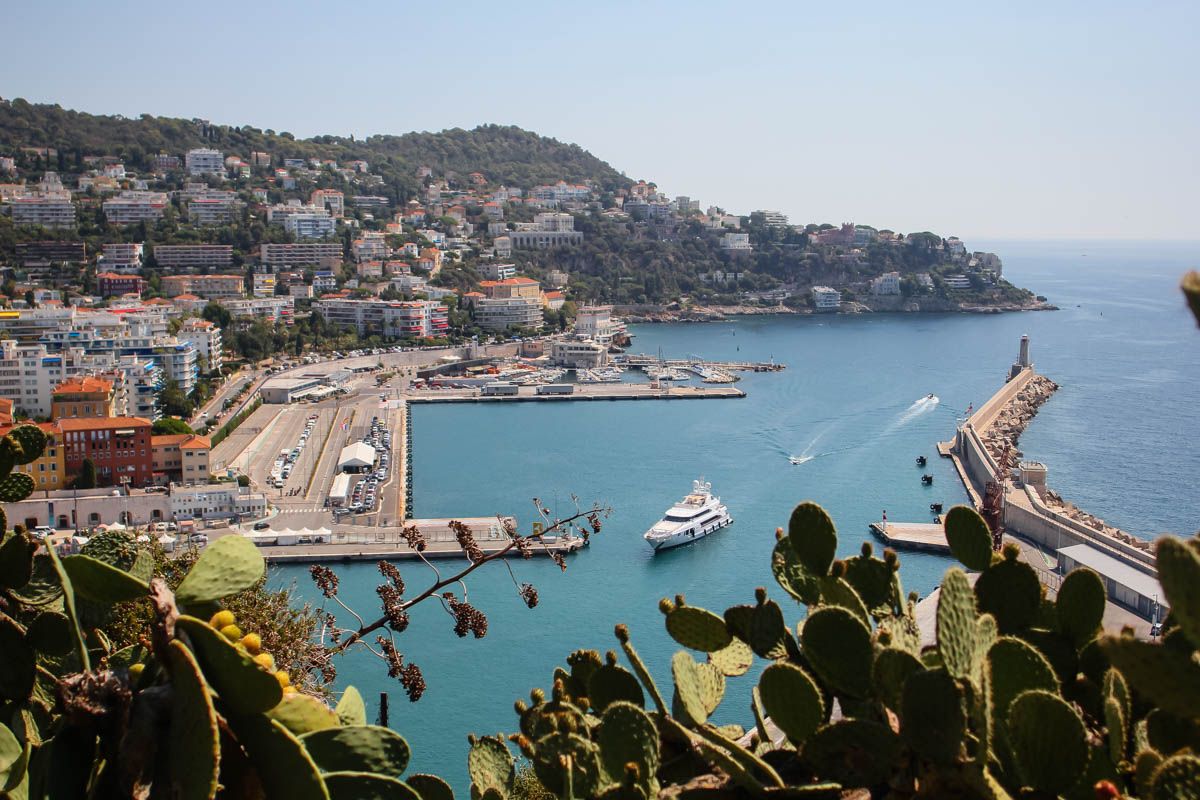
(356, 456)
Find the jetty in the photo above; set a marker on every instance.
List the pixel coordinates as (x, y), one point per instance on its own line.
(926, 536)
(644, 360)
(578, 392)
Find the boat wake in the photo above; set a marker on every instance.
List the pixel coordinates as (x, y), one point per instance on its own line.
(922, 406)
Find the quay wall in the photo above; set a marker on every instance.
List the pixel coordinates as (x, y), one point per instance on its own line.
(1052, 529)
(983, 418)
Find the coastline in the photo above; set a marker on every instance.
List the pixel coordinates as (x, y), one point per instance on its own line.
(666, 314)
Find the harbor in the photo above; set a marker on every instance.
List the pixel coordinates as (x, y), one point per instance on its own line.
(577, 391)
(925, 536)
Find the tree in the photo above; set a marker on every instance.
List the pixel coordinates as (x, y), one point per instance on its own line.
(174, 401)
(87, 475)
(217, 314)
(170, 426)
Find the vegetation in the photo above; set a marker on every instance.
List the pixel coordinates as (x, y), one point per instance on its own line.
(170, 425)
(86, 479)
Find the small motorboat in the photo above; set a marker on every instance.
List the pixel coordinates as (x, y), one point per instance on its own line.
(921, 461)
(927, 479)
(936, 508)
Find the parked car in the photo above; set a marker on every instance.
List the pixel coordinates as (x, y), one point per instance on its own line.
(261, 526)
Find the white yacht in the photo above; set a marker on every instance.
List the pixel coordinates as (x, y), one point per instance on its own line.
(694, 517)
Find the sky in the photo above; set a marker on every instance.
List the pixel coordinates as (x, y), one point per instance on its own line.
(1006, 120)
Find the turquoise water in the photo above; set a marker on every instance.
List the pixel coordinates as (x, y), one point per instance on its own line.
(1123, 348)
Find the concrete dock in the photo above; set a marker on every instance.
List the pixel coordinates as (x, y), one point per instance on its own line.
(927, 536)
(604, 391)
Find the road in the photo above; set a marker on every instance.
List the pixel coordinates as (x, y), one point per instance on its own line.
(215, 406)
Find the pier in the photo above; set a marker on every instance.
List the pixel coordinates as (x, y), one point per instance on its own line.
(926, 536)
(601, 391)
(644, 360)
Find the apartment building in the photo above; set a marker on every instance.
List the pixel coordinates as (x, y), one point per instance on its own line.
(206, 338)
(826, 299)
(501, 313)
(213, 210)
(512, 287)
(86, 396)
(53, 211)
(130, 207)
(886, 284)
(310, 226)
(112, 284)
(393, 320)
(119, 447)
(271, 309)
(211, 287)
(205, 161)
(331, 200)
(319, 254)
(498, 272)
(736, 243)
(123, 258)
(181, 458)
(193, 256)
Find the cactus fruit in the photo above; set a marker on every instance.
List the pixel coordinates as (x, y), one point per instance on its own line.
(969, 538)
(227, 566)
(1080, 605)
(194, 750)
(792, 576)
(1176, 778)
(244, 686)
(1162, 674)
(838, 592)
(302, 714)
(1048, 741)
(430, 787)
(1010, 591)
(854, 752)
(367, 786)
(232, 632)
(361, 748)
(793, 701)
(892, 668)
(490, 765)
(15, 487)
(838, 645)
(734, 660)
(699, 687)
(957, 632)
(221, 619)
(101, 583)
(1179, 573)
(627, 735)
(698, 629)
(935, 715)
(611, 683)
(32, 442)
(351, 709)
(813, 537)
(253, 643)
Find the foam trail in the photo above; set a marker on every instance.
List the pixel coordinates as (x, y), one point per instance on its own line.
(922, 406)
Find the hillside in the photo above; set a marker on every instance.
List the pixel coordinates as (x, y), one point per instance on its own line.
(505, 154)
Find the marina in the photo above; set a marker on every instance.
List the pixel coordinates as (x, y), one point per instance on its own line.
(602, 391)
(926, 536)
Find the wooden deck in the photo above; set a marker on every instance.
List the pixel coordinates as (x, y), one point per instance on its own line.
(927, 536)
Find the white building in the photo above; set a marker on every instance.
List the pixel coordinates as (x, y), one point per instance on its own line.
(578, 353)
(498, 272)
(216, 501)
(826, 299)
(596, 323)
(310, 226)
(203, 257)
(317, 254)
(213, 210)
(53, 211)
(392, 320)
(271, 309)
(886, 284)
(501, 313)
(131, 207)
(123, 258)
(774, 219)
(503, 246)
(263, 284)
(206, 338)
(956, 281)
(203, 161)
(736, 243)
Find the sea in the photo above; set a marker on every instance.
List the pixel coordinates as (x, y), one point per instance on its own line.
(852, 405)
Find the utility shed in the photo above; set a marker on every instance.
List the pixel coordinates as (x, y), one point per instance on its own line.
(1125, 585)
(356, 457)
(340, 490)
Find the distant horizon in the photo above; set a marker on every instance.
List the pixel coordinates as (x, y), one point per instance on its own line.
(1027, 120)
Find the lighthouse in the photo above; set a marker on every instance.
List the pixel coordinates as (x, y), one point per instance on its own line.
(1022, 361)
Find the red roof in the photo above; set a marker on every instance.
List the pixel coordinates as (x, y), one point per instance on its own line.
(86, 384)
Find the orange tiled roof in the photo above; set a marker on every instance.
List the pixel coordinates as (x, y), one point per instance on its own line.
(195, 442)
(86, 384)
(102, 423)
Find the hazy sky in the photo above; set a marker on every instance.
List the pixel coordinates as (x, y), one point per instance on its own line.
(1047, 119)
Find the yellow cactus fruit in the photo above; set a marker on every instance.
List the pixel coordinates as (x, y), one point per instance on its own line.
(135, 671)
(253, 643)
(221, 619)
(266, 661)
(284, 679)
(289, 690)
(231, 632)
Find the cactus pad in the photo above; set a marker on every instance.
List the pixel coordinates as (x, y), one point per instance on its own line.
(734, 660)
(351, 709)
(1179, 572)
(18, 667)
(490, 765)
(361, 748)
(194, 750)
(792, 576)
(611, 683)
(227, 566)
(699, 687)
(50, 633)
(1014, 667)
(15, 486)
(284, 767)
(244, 687)
(1164, 675)
(101, 583)
(301, 714)
(837, 592)
(1010, 592)
(367, 786)
(628, 735)
(16, 561)
(116, 548)
(698, 629)
(872, 580)
(957, 632)
(935, 715)
(549, 752)
(969, 538)
(1080, 605)
(793, 701)
(838, 645)
(892, 668)
(430, 787)
(854, 752)
(813, 537)
(1048, 741)
(1118, 729)
(31, 440)
(768, 634)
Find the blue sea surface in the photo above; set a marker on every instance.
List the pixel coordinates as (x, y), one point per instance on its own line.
(1115, 438)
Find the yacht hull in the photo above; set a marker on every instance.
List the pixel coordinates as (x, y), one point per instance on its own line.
(689, 535)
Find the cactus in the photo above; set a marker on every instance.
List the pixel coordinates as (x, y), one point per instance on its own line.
(854, 753)
(244, 686)
(792, 576)
(302, 714)
(733, 660)
(490, 765)
(699, 687)
(350, 709)
(1048, 740)
(430, 787)
(813, 537)
(969, 538)
(194, 750)
(1176, 778)
(872, 580)
(698, 629)
(227, 566)
(837, 592)
(367, 786)
(97, 581)
(562, 759)
(792, 699)
(627, 735)
(1080, 605)
(18, 667)
(957, 632)
(283, 766)
(361, 748)
(612, 683)
(50, 634)
(1165, 676)
(892, 668)
(767, 632)
(838, 645)
(1010, 591)
(1179, 573)
(15, 487)
(31, 440)
(16, 561)
(1118, 729)
(933, 708)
